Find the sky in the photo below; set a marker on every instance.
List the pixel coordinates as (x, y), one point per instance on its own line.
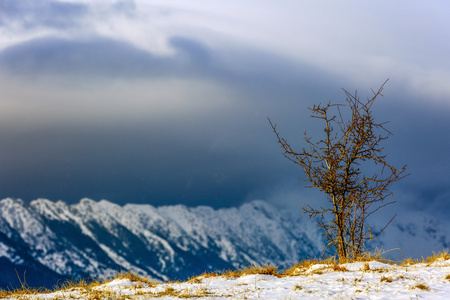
(166, 102)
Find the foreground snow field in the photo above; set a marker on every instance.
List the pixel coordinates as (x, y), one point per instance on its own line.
(370, 280)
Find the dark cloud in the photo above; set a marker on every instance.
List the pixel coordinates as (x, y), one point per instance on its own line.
(421, 139)
(103, 57)
(141, 162)
(100, 57)
(29, 14)
(74, 57)
(218, 159)
(192, 51)
(125, 6)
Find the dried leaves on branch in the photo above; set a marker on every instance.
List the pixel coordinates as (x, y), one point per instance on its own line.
(347, 164)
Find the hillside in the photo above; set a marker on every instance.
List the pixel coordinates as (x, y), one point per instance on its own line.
(52, 241)
(360, 280)
(47, 242)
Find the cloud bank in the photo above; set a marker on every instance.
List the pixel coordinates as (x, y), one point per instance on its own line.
(166, 103)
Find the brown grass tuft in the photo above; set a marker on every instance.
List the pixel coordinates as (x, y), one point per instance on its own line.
(231, 273)
(366, 267)
(339, 268)
(168, 291)
(436, 256)
(440, 256)
(263, 270)
(409, 262)
(135, 278)
(421, 286)
(375, 255)
(78, 284)
(302, 266)
(23, 290)
(207, 275)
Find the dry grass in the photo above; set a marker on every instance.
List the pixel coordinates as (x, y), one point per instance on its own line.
(421, 286)
(440, 256)
(375, 255)
(168, 291)
(232, 273)
(195, 280)
(366, 267)
(302, 266)
(133, 277)
(316, 272)
(338, 268)
(199, 279)
(184, 293)
(78, 284)
(409, 261)
(196, 293)
(263, 270)
(22, 291)
(332, 263)
(380, 270)
(86, 288)
(436, 256)
(99, 295)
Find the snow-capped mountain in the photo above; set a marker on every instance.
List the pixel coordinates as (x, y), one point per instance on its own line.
(415, 234)
(48, 241)
(45, 242)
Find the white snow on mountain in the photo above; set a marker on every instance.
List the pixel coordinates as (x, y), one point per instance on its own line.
(98, 239)
(415, 234)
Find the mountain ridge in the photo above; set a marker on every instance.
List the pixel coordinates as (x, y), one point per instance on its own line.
(46, 242)
(97, 239)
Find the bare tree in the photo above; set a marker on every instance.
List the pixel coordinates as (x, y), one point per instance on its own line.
(347, 164)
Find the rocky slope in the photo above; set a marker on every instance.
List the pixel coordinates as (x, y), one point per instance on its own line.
(51, 241)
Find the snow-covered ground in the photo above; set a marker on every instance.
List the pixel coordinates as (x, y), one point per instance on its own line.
(372, 280)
